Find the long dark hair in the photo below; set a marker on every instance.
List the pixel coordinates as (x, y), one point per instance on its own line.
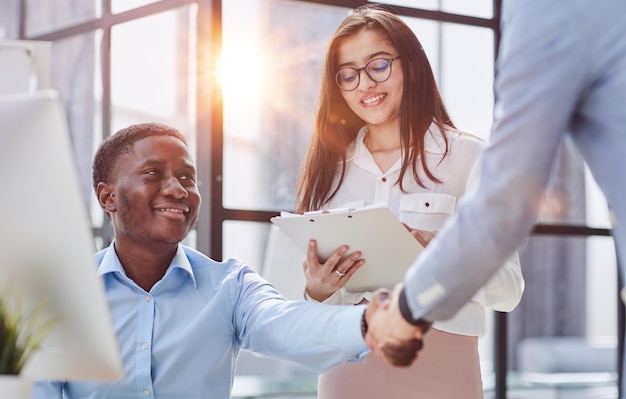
(337, 126)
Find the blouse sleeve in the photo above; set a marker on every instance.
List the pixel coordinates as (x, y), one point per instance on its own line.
(343, 297)
(504, 291)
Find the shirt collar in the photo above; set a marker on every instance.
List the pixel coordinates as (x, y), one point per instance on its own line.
(360, 154)
(111, 263)
(433, 143)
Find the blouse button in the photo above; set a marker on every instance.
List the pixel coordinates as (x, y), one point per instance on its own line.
(384, 179)
(427, 204)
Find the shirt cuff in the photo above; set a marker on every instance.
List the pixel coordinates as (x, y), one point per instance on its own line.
(405, 311)
(356, 342)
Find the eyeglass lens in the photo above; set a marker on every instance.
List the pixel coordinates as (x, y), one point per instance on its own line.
(378, 70)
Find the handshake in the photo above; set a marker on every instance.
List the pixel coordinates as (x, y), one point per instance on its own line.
(388, 334)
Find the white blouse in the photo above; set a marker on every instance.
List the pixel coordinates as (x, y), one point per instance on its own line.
(427, 209)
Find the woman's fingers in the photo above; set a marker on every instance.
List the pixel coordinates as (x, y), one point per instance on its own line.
(422, 236)
(323, 279)
(349, 266)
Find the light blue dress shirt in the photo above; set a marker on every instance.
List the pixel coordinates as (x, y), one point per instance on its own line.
(181, 339)
(561, 74)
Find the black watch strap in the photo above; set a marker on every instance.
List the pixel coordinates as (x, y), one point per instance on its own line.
(405, 311)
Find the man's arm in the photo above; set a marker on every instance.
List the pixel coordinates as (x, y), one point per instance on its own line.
(316, 336)
(47, 390)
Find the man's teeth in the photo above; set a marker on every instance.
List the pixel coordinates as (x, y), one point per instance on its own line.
(373, 99)
(171, 210)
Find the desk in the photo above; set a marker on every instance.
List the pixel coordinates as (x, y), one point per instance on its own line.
(249, 387)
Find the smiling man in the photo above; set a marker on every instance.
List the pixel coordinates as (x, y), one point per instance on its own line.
(180, 317)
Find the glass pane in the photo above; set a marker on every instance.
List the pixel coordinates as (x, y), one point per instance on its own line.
(75, 75)
(50, 15)
(118, 6)
(267, 250)
(271, 75)
(153, 71)
(246, 241)
(9, 19)
(474, 8)
(596, 207)
(567, 319)
(429, 34)
(563, 334)
(572, 196)
(423, 4)
(97, 215)
(466, 80)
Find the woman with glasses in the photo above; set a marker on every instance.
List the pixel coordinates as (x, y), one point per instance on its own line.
(383, 135)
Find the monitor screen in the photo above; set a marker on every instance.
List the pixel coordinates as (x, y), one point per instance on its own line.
(46, 243)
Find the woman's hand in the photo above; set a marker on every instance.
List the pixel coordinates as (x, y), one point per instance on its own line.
(323, 279)
(422, 236)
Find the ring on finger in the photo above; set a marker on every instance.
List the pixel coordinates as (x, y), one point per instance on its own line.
(339, 273)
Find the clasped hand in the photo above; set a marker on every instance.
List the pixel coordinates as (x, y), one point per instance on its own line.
(389, 336)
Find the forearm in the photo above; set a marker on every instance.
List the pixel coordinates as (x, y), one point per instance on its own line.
(314, 335)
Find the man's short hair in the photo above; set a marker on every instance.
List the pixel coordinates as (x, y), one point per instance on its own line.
(121, 144)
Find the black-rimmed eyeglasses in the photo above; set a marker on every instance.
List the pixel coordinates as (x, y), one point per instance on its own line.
(378, 69)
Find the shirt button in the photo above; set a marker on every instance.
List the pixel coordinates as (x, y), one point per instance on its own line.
(145, 345)
(427, 204)
(146, 392)
(384, 179)
(148, 298)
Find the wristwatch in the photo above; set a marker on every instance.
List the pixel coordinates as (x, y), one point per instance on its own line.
(364, 324)
(405, 311)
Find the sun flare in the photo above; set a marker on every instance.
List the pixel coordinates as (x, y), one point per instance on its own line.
(240, 74)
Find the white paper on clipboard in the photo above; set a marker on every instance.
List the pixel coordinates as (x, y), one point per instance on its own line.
(387, 246)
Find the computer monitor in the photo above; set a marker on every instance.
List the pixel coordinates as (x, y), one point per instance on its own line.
(46, 243)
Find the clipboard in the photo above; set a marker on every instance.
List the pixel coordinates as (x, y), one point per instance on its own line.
(386, 245)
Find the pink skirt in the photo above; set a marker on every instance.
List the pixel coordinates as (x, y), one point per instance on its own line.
(448, 367)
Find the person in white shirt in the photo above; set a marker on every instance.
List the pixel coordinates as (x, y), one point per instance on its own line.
(382, 138)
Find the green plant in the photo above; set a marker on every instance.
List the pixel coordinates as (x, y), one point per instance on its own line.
(21, 335)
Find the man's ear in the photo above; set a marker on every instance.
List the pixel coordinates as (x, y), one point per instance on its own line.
(105, 194)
